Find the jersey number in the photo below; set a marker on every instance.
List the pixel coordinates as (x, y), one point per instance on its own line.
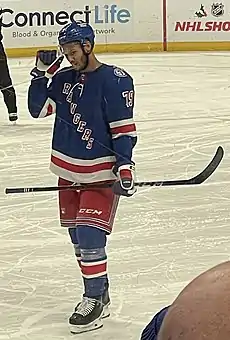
(129, 98)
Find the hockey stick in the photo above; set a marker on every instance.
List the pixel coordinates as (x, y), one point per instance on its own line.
(200, 178)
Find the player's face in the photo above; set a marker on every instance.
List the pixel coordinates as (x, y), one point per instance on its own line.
(75, 55)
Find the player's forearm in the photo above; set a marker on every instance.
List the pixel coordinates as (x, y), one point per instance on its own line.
(123, 149)
(40, 105)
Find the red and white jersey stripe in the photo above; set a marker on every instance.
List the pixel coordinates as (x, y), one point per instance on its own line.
(82, 170)
(124, 127)
(48, 108)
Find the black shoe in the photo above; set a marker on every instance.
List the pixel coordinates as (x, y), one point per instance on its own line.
(87, 316)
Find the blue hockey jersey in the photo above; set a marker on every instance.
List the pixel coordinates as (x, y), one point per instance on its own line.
(152, 329)
(94, 127)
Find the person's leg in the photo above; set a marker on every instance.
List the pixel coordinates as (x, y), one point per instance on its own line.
(68, 208)
(6, 86)
(94, 222)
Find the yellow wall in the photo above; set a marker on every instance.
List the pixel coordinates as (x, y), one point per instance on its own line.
(199, 46)
(111, 48)
(138, 47)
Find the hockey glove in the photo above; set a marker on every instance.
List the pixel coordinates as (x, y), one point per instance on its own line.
(124, 186)
(47, 63)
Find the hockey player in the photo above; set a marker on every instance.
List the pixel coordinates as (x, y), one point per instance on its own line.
(201, 310)
(93, 139)
(6, 86)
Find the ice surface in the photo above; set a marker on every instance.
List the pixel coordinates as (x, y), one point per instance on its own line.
(163, 237)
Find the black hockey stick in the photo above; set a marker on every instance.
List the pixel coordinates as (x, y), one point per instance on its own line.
(200, 178)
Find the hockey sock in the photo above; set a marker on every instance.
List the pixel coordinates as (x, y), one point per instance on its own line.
(74, 240)
(92, 242)
(94, 271)
(77, 252)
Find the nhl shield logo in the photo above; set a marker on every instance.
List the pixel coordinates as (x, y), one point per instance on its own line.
(119, 72)
(217, 9)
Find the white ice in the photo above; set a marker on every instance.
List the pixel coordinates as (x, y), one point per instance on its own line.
(162, 238)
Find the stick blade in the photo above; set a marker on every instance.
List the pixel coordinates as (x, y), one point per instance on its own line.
(198, 179)
(210, 168)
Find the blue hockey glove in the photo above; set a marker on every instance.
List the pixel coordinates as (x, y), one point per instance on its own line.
(124, 186)
(47, 63)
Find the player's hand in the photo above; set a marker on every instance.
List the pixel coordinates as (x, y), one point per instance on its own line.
(47, 63)
(124, 186)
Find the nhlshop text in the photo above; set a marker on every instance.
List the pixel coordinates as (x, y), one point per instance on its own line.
(198, 26)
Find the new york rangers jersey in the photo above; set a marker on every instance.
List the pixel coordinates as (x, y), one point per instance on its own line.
(94, 128)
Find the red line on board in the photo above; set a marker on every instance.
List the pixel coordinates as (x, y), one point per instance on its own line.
(164, 25)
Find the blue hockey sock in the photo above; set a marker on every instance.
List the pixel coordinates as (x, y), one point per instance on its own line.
(94, 271)
(77, 251)
(92, 242)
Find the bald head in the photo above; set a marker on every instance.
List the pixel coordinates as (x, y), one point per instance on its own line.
(202, 309)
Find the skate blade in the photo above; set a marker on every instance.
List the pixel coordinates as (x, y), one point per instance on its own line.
(106, 312)
(77, 329)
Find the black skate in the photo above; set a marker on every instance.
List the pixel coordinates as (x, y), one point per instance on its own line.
(13, 117)
(87, 317)
(105, 303)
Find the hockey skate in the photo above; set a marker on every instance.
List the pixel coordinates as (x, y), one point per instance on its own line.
(105, 303)
(13, 117)
(87, 316)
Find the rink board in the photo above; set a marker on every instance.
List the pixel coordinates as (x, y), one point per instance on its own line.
(125, 27)
(110, 48)
(133, 48)
(201, 26)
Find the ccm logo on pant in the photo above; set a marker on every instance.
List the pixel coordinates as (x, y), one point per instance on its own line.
(90, 211)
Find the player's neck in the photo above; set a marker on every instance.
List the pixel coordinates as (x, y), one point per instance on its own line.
(93, 65)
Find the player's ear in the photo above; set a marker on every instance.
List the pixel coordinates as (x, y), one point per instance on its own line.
(88, 47)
